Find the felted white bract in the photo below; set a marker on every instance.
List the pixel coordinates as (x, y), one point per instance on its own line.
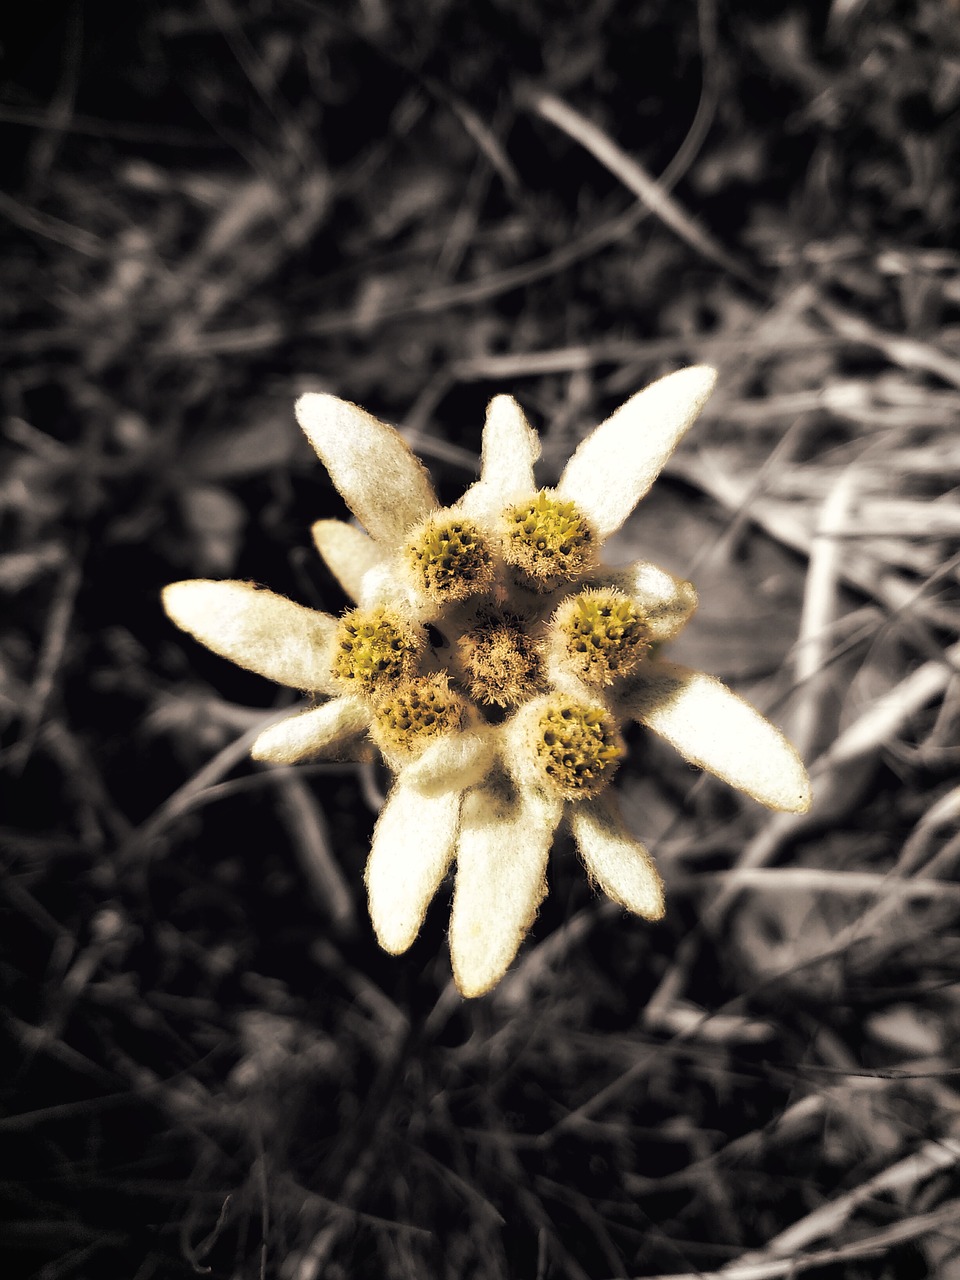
(493, 659)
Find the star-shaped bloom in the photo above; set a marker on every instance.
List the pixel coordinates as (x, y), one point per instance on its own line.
(494, 659)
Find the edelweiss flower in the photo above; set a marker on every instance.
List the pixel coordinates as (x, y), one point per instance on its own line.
(493, 659)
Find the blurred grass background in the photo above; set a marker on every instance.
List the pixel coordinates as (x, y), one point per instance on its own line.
(210, 206)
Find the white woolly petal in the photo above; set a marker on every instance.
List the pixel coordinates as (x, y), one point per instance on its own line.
(381, 481)
(385, 584)
(505, 840)
(510, 448)
(668, 602)
(312, 732)
(348, 552)
(516, 737)
(620, 865)
(615, 466)
(715, 729)
(255, 628)
(456, 761)
(413, 845)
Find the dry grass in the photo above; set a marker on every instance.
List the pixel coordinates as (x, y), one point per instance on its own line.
(223, 203)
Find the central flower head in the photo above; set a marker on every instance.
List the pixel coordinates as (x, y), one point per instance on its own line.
(499, 659)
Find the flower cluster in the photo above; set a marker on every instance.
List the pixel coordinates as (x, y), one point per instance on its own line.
(493, 659)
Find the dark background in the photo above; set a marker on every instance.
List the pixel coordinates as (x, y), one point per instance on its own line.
(208, 208)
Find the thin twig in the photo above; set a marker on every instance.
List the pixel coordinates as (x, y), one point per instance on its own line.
(636, 179)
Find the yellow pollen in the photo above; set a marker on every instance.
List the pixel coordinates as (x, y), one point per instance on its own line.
(374, 649)
(600, 635)
(499, 660)
(416, 712)
(450, 559)
(577, 747)
(548, 540)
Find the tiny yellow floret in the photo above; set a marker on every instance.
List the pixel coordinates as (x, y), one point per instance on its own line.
(548, 539)
(499, 659)
(599, 636)
(449, 559)
(416, 713)
(373, 648)
(577, 747)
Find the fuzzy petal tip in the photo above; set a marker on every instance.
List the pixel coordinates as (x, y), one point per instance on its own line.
(255, 628)
(615, 466)
(382, 482)
(718, 731)
(501, 880)
(413, 846)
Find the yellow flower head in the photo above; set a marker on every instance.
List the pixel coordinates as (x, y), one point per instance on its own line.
(374, 649)
(494, 660)
(599, 635)
(416, 713)
(574, 747)
(449, 559)
(548, 540)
